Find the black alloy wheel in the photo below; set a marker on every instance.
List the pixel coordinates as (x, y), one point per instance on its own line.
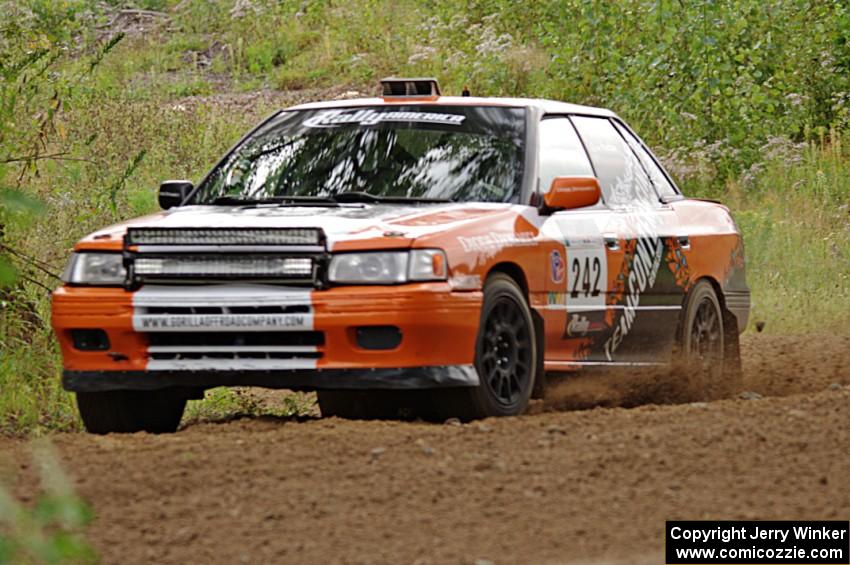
(702, 370)
(706, 340)
(506, 358)
(505, 352)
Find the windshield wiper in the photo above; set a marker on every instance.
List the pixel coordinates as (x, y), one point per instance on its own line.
(280, 200)
(353, 196)
(360, 196)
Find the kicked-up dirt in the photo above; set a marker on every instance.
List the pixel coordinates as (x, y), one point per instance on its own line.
(580, 486)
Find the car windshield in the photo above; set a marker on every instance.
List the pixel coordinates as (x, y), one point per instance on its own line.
(456, 153)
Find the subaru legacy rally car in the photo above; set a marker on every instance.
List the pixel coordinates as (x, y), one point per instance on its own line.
(452, 248)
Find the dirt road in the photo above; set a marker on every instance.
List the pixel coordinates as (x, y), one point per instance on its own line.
(553, 487)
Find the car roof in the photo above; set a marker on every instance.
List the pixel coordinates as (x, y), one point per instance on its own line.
(547, 106)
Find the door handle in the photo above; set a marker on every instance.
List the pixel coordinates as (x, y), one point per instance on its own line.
(684, 241)
(612, 242)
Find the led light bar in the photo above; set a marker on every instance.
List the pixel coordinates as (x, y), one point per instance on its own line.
(259, 266)
(224, 236)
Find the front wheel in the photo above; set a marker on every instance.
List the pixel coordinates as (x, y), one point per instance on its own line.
(128, 411)
(505, 357)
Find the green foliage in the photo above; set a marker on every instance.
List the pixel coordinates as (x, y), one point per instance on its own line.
(33, 88)
(227, 403)
(15, 208)
(736, 72)
(31, 399)
(794, 215)
(154, 5)
(731, 73)
(48, 532)
(112, 191)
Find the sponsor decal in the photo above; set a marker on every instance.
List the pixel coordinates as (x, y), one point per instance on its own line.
(197, 321)
(644, 263)
(492, 241)
(556, 299)
(580, 325)
(633, 194)
(559, 268)
(677, 262)
(369, 117)
(220, 297)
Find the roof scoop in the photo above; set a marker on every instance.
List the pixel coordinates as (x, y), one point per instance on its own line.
(410, 87)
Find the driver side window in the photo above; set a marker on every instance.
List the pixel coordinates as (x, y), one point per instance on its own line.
(561, 152)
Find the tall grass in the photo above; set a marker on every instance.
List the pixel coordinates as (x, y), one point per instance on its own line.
(794, 215)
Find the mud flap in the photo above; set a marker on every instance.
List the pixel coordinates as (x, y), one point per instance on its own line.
(733, 373)
(538, 391)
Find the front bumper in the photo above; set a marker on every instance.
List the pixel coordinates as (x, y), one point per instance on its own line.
(438, 329)
(354, 379)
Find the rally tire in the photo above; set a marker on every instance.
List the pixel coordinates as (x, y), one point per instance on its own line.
(506, 357)
(370, 404)
(125, 411)
(704, 368)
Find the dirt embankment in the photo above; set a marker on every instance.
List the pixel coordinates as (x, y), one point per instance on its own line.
(555, 487)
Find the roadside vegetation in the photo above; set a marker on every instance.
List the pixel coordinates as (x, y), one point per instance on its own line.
(50, 530)
(746, 101)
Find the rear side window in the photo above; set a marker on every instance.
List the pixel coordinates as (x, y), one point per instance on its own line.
(656, 175)
(561, 152)
(623, 180)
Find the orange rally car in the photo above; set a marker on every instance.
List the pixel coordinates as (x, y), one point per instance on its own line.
(454, 249)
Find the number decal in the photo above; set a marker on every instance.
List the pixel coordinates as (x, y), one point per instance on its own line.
(590, 269)
(597, 268)
(576, 270)
(587, 277)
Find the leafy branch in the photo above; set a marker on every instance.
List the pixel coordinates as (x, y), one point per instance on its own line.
(34, 83)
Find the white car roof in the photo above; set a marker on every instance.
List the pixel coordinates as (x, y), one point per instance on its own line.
(547, 106)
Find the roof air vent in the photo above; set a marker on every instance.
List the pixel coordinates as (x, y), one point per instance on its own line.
(410, 87)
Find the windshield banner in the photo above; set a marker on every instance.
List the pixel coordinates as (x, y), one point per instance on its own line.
(333, 118)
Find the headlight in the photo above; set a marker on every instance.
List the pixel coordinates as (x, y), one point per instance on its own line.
(388, 267)
(428, 265)
(95, 268)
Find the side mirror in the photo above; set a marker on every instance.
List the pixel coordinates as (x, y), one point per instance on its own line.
(173, 192)
(567, 193)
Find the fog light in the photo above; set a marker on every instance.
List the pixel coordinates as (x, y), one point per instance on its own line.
(90, 340)
(378, 337)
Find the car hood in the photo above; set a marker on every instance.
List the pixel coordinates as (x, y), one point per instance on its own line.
(349, 226)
